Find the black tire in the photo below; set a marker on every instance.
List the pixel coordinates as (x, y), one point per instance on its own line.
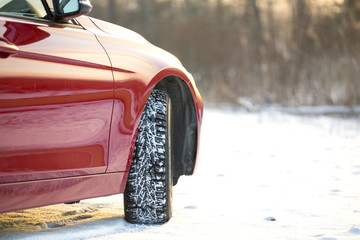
(148, 193)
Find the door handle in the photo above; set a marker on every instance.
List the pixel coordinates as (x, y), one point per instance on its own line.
(8, 48)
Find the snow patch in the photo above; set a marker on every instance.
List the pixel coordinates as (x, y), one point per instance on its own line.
(297, 169)
(355, 231)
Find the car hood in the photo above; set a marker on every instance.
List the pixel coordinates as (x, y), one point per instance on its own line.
(118, 31)
(126, 35)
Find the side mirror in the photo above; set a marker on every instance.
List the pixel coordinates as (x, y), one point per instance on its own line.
(65, 10)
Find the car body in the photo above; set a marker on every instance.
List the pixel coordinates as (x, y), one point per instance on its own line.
(72, 92)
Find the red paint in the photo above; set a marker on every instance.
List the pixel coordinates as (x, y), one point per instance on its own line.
(41, 193)
(55, 98)
(71, 99)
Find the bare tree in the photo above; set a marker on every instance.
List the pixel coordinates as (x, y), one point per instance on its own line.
(243, 49)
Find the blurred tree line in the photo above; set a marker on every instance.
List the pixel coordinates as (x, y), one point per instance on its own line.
(292, 52)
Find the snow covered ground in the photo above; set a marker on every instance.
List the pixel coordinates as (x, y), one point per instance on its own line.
(266, 175)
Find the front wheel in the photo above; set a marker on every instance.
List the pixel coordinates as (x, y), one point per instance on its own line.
(148, 193)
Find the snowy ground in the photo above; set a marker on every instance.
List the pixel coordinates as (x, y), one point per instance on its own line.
(267, 175)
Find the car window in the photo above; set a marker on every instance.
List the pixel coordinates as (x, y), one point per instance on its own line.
(25, 8)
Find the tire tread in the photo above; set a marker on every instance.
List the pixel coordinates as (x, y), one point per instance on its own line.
(146, 197)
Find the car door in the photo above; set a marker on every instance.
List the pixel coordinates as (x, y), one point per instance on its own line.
(56, 97)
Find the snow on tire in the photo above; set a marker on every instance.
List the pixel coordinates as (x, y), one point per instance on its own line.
(148, 193)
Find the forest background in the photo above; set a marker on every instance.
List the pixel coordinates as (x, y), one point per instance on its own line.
(288, 52)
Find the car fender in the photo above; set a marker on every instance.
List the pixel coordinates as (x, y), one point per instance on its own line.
(138, 66)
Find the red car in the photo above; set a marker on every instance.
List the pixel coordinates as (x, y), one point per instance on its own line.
(90, 109)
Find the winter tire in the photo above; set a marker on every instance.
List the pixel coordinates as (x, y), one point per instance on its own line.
(148, 193)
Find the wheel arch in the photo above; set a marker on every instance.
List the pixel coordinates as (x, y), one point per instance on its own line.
(184, 127)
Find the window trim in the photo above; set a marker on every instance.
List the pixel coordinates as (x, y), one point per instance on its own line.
(46, 21)
(47, 9)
